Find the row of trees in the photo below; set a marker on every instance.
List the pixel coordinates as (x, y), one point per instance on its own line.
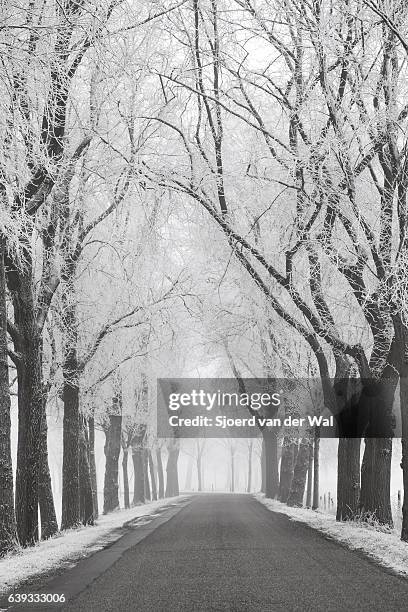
(292, 140)
(242, 164)
(132, 432)
(76, 299)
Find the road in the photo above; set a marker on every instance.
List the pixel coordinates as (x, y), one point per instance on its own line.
(228, 552)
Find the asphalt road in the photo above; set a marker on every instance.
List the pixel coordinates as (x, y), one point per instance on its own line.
(228, 552)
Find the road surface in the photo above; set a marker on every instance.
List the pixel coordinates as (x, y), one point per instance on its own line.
(229, 552)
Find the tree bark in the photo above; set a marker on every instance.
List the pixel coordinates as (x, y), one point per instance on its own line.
(152, 475)
(271, 464)
(71, 422)
(92, 466)
(376, 465)
(309, 476)
(199, 472)
(138, 476)
(172, 486)
(232, 456)
(71, 443)
(160, 472)
(28, 347)
(189, 474)
(29, 428)
(375, 480)
(112, 452)
(348, 478)
(125, 458)
(86, 508)
(263, 466)
(249, 480)
(49, 525)
(316, 469)
(8, 530)
(146, 475)
(286, 468)
(402, 339)
(401, 336)
(404, 441)
(297, 489)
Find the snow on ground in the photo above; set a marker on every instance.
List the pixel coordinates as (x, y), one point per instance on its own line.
(67, 548)
(382, 545)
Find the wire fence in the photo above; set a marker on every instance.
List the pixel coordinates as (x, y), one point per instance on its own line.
(328, 504)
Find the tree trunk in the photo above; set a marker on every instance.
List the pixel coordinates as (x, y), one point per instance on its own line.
(404, 441)
(152, 475)
(125, 458)
(375, 480)
(199, 472)
(172, 486)
(146, 475)
(8, 531)
(160, 472)
(92, 466)
(29, 427)
(49, 525)
(71, 443)
(316, 469)
(297, 489)
(189, 474)
(112, 452)
(138, 476)
(309, 477)
(263, 466)
(348, 478)
(86, 508)
(71, 421)
(28, 345)
(271, 464)
(249, 480)
(286, 468)
(232, 471)
(401, 339)
(376, 465)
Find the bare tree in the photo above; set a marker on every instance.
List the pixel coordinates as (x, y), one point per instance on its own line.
(113, 433)
(328, 162)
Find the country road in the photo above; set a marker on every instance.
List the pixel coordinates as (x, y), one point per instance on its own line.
(228, 552)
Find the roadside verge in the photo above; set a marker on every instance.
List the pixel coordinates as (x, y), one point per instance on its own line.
(382, 545)
(67, 548)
